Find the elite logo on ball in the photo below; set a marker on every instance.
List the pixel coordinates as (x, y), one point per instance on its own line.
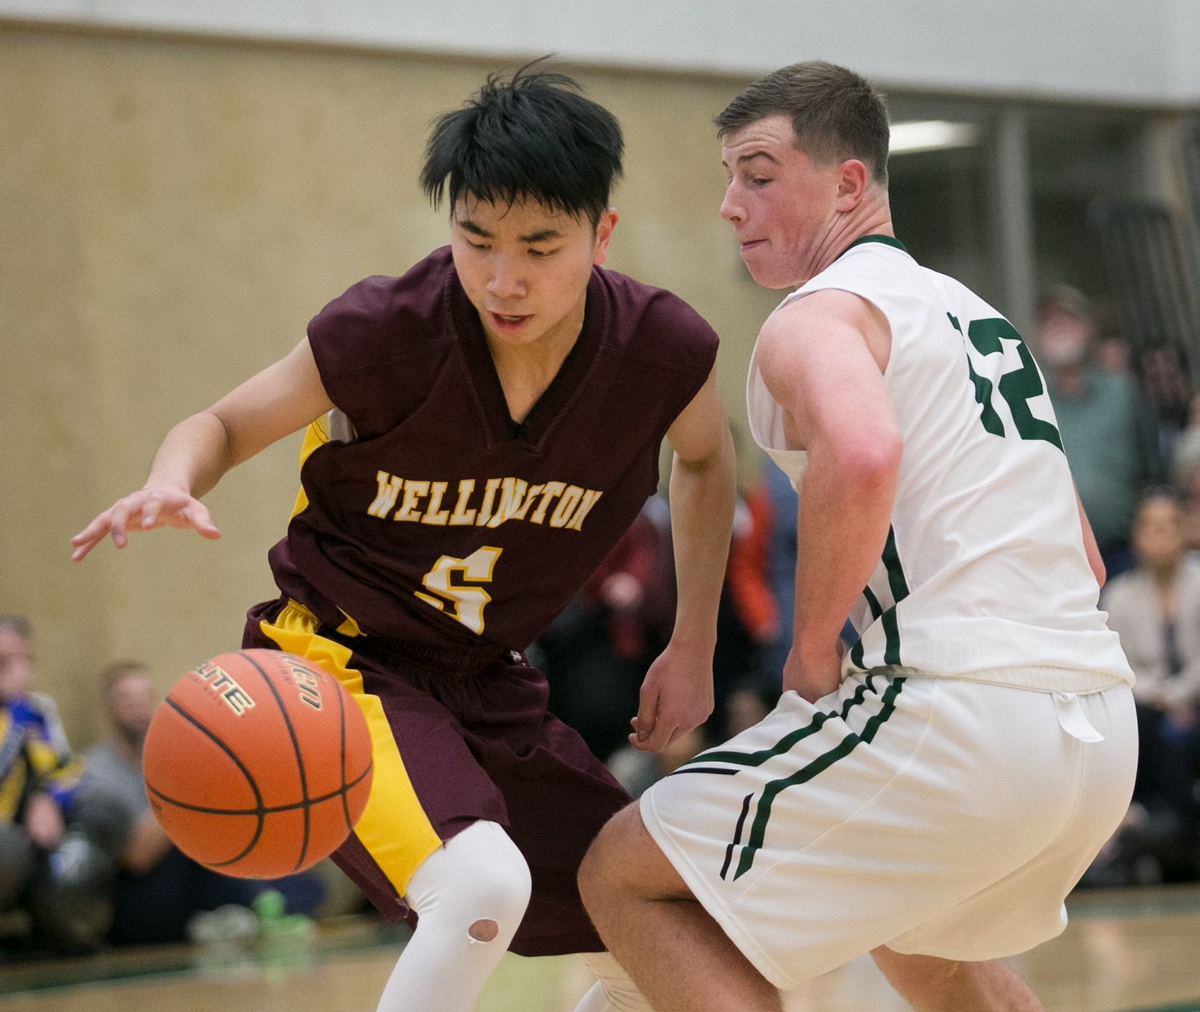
(225, 686)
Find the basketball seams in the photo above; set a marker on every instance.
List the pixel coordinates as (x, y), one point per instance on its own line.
(342, 749)
(287, 720)
(201, 805)
(264, 810)
(260, 810)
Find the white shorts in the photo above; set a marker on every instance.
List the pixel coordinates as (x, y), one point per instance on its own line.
(933, 815)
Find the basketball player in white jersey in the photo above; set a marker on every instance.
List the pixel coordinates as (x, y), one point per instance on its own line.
(933, 795)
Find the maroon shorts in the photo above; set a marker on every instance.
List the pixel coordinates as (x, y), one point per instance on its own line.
(476, 741)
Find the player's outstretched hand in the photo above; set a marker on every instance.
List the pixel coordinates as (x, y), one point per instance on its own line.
(144, 510)
(676, 696)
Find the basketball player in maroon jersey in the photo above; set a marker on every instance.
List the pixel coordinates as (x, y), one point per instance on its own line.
(480, 433)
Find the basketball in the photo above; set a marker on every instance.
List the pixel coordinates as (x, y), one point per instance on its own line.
(258, 763)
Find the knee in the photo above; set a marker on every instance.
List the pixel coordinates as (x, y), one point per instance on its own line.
(918, 978)
(478, 882)
(494, 900)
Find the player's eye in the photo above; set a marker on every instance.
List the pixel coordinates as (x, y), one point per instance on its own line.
(477, 245)
(541, 253)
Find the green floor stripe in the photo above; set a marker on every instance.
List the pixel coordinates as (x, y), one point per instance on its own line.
(1190, 1007)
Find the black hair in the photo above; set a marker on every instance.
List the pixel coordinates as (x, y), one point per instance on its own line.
(529, 136)
(836, 113)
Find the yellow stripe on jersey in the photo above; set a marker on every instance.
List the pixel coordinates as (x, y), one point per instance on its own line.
(317, 434)
(393, 828)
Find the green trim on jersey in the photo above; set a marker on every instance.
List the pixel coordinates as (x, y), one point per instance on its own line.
(856, 651)
(887, 240)
(891, 628)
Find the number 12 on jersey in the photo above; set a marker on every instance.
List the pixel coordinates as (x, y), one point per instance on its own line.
(1017, 387)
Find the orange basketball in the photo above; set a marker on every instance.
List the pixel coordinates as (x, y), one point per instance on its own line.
(258, 763)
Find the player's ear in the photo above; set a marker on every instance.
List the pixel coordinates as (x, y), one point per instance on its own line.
(604, 231)
(853, 180)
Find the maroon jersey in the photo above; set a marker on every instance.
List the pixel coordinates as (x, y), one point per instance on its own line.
(442, 522)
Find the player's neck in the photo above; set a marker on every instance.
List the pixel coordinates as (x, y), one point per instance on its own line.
(526, 370)
(1164, 574)
(871, 217)
(129, 745)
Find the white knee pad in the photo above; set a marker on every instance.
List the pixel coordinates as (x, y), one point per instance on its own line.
(477, 886)
(470, 896)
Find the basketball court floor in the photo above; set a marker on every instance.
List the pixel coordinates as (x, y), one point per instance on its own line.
(1124, 950)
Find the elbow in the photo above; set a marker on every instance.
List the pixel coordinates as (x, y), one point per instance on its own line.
(871, 463)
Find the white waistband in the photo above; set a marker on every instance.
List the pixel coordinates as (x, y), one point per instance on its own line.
(1037, 678)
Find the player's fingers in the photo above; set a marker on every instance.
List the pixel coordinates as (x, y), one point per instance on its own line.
(199, 517)
(96, 529)
(647, 715)
(119, 524)
(150, 511)
(90, 536)
(657, 740)
(83, 546)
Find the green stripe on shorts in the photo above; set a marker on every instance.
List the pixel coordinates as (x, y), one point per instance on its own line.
(772, 790)
(786, 742)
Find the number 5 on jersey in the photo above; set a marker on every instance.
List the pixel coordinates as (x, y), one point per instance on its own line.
(463, 602)
(1016, 386)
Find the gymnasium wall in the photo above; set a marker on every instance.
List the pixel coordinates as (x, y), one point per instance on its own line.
(173, 211)
(1099, 50)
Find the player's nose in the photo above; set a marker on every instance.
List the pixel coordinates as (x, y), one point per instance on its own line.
(731, 208)
(506, 280)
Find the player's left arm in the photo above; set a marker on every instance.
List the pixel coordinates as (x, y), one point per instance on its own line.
(677, 693)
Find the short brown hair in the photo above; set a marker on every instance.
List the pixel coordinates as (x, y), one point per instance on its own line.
(836, 114)
(111, 675)
(1068, 300)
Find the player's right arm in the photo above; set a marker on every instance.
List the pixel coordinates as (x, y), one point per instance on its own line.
(274, 403)
(822, 358)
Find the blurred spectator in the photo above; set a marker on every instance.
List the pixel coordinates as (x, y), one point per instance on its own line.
(748, 619)
(597, 651)
(1155, 609)
(773, 497)
(1108, 429)
(56, 836)
(1166, 383)
(1185, 472)
(1113, 355)
(158, 889)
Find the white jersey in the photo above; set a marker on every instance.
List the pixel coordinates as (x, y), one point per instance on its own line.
(984, 575)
